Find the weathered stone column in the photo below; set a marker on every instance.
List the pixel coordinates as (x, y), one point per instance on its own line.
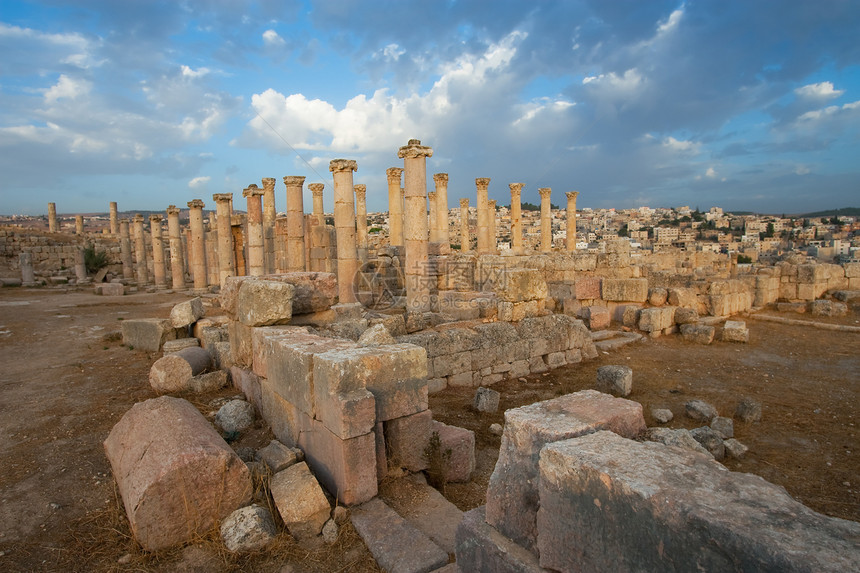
(125, 250)
(141, 271)
(160, 275)
(114, 223)
(318, 210)
(361, 220)
(344, 225)
(570, 242)
(415, 232)
(197, 250)
(226, 266)
(174, 239)
(545, 219)
(256, 247)
(395, 207)
(434, 225)
(270, 213)
(295, 223)
(52, 217)
(80, 265)
(79, 224)
(25, 262)
(465, 240)
(441, 181)
(482, 183)
(516, 217)
(491, 210)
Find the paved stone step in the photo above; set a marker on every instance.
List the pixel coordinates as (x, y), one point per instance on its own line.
(621, 339)
(396, 544)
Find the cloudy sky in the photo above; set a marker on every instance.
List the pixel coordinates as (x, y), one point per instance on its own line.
(744, 104)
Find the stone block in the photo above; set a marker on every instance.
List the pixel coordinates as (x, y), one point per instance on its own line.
(449, 364)
(486, 400)
(110, 289)
(347, 415)
(241, 344)
(698, 333)
(172, 346)
(460, 464)
(656, 319)
(300, 501)
(614, 379)
(173, 372)
(556, 359)
(725, 427)
(248, 529)
(376, 335)
(682, 297)
(657, 296)
(482, 549)
(264, 302)
(742, 522)
(630, 316)
(177, 477)
(512, 492)
(700, 411)
(278, 457)
(735, 331)
(147, 334)
(587, 288)
(187, 313)
(748, 411)
(624, 290)
(686, 315)
(598, 317)
(466, 379)
(852, 270)
(406, 440)
(249, 384)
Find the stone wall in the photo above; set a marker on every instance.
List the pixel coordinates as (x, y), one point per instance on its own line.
(51, 252)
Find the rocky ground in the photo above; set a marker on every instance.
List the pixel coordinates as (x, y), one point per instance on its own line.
(66, 380)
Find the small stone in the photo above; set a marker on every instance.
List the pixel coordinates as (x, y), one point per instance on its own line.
(340, 514)
(616, 380)
(496, 429)
(662, 415)
(278, 456)
(680, 438)
(735, 449)
(329, 531)
(248, 529)
(55, 506)
(725, 427)
(486, 400)
(700, 410)
(124, 560)
(376, 335)
(710, 440)
(235, 416)
(246, 454)
(748, 411)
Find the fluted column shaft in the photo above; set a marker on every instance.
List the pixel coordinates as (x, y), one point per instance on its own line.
(465, 240)
(361, 219)
(114, 222)
(79, 224)
(344, 224)
(226, 265)
(516, 217)
(125, 250)
(174, 239)
(545, 219)
(256, 245)
(52, 217)
(395, 207)
(570, 242)
(415, 231)
(295, 223)
(482, 184)
(158, 270)
(198, 244)
(434, 225)
(141, 271)
(491, 209)
(269, 215)
(441, 181)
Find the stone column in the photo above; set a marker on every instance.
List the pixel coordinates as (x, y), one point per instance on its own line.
(174, 239)
(491, 209)
(395, 207)
(160, 275)
(570, 242)
(465, 240)
(361, 220)
(140, 251)
(516, 217)
(125, 250)
(482, 183)
(434, 225)
(344, 225)
(318, 210)
(79, 224)
(295, 223)
(256, 245)
(80, 265)
(415, 232)
(52, 217)
(114, 223)
(270, 213)
(226, 266)
(545, 220)
(25, 262)
(441, 181)
(197, 250)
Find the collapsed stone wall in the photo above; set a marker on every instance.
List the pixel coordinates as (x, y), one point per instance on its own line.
(51, 252)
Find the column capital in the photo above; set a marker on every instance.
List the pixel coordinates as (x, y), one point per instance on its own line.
(138, 218)
(432, 196)
(440, 178)
(482, 182)
(252, 191)
(414, 149)
(268, 183)
(394, 174)
(464, 202)
(196, 204)
(360, 190)
(222, 197)
(545, 192)
(491, 203)
(336, 165)
(572, 194)
(316, 189)
(294, 180)
(516, 188)
(155, 218)
(172, 210)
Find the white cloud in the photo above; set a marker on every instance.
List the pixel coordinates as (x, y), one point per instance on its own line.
(189, 72)
(821, 90)
(681, 146)
(392, 52)
(828, 112)
(67, 87)
(199, 182)
(671, 22)
(76, 49)
(711, 172)
(272, 39)
(613, 84)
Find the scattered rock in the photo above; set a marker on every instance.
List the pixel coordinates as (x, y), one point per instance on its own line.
(710, 440)
(300, 501)
(734, 448)
(496, 429)
(246, 454)
(735, 331)
(828, 308)
(172, 346)
(376, 335)
(698, 333)
(125, 559)
(248, 529)
(340, 514)
(329, 531)
(680, 438)
(748, 411)
(278, 456)
(700, 411)
(173, 373)
(616, 380)
(235, 416)
(662, 415)
(208, 382)
(725, 427)
(187, 313)
(486, 400)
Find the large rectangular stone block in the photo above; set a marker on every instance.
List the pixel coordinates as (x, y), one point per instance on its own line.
(512, 495)
(241, 343)
(624, 290)
(656, 319)
(406, 440)
(147, 334)
(662, 508)
(519, 285)
(264, 302)
(588, 288)
(482, 549)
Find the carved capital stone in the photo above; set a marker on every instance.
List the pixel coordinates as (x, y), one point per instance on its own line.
(138, 218)
(432, 196)
(414, 149)
(491, 203)
(252, 190)
(172, 210)
(464, 203)
(545, 192)
(482, 182)
(394, 174)
(155, 218)
(441, 178)
(337, 165)
(360, 190)
(294, 180)
(316, 189)
(222, 197)
(268, 183)
(196, 204)
(516, 189)
(572, 194)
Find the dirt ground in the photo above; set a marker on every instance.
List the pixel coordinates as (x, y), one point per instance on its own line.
(66, 379)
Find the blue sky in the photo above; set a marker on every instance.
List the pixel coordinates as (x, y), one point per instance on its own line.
(748, 105)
